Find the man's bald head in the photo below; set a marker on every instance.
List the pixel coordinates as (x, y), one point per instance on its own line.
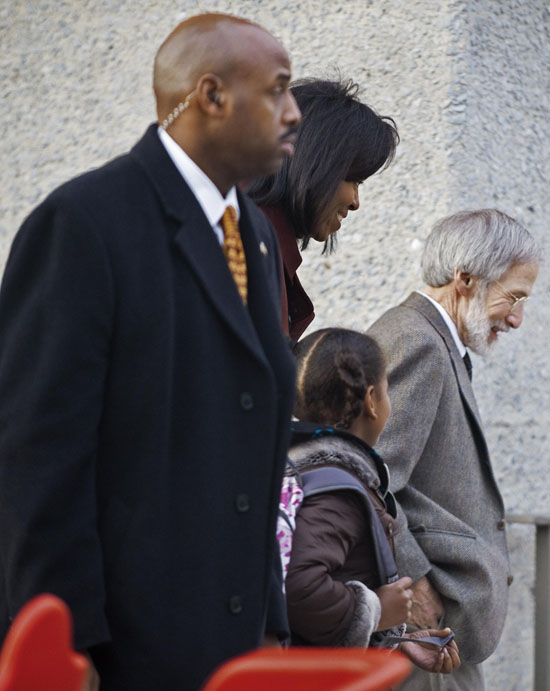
(208, 43)
(222, 89)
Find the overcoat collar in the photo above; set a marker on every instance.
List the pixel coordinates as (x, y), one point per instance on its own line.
(421, 304)
(199, 247)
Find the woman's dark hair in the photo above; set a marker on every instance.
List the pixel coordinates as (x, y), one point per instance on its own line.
(339, 138)
(335, 367)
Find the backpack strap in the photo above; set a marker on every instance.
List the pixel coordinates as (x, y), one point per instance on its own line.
(322, 480)
(305, 431)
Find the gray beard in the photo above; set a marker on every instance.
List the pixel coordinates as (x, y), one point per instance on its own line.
(478, 324)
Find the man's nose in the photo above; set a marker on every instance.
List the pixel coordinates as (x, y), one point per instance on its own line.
(292, 113)
(515, 318)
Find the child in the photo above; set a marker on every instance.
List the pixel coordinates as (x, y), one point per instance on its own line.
(343, 389)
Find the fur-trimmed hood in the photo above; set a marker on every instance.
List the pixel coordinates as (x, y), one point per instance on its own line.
(337, 452)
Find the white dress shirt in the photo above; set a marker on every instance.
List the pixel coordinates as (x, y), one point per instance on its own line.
(205, 191)
(449, 322)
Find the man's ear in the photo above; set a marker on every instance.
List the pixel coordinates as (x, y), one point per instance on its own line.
(370, 403)
(464, 283)
(212, 95)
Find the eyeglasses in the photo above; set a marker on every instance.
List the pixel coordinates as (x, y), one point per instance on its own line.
(515, 300)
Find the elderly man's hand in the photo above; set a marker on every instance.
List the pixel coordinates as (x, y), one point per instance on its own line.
(429, 657)
(427, 608)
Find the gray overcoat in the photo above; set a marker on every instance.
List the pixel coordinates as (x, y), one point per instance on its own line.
(442, 476)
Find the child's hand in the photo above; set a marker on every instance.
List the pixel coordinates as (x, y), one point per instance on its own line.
(430, 657)
(396, 602)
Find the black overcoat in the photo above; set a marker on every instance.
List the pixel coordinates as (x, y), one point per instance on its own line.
(144, 416)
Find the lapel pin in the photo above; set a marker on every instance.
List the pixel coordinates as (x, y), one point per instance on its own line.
(263, 248)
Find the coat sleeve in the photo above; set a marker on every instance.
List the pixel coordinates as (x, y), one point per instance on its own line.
(56, 306)
(415, 366)
(277, 620)
(322, 609)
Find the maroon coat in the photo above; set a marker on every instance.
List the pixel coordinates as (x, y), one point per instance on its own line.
(297, 308)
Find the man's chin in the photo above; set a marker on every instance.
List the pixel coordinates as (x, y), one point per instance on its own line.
(273, 164)
(481, 346)
(484, 349)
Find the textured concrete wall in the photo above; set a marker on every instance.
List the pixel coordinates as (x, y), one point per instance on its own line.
(467, 82)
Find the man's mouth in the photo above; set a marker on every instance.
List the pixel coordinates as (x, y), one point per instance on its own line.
(288, 141)
(499, 328)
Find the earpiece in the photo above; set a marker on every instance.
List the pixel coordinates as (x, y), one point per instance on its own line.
(214, 97)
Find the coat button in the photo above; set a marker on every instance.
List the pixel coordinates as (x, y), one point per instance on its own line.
(235, 604)
(242, 503)
(510, 580)
(247, 401)
(390, 528)
(501, 525)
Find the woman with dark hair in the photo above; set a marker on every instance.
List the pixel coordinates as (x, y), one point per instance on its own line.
(340, 143)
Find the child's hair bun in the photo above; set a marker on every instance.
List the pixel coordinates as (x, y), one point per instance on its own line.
(351, 370)
(335, 367)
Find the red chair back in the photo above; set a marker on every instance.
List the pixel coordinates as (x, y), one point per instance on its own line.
(311, 669)
(37, 654)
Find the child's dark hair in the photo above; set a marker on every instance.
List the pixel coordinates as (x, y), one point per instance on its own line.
(335, 367)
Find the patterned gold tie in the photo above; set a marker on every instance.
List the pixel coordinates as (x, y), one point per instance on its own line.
(234, 251)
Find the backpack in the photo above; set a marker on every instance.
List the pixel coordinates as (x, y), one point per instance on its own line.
(297, 486)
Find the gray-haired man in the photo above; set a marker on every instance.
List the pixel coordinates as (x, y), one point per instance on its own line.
(479, 268)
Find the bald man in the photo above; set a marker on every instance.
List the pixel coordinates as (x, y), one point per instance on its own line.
(146, 384)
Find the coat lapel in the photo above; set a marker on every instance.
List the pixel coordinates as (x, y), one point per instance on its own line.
(263, 306)
(420, 304)
(202, 252)
(195, 240)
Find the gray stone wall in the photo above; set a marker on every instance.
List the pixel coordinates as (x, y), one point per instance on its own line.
(468, 84)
